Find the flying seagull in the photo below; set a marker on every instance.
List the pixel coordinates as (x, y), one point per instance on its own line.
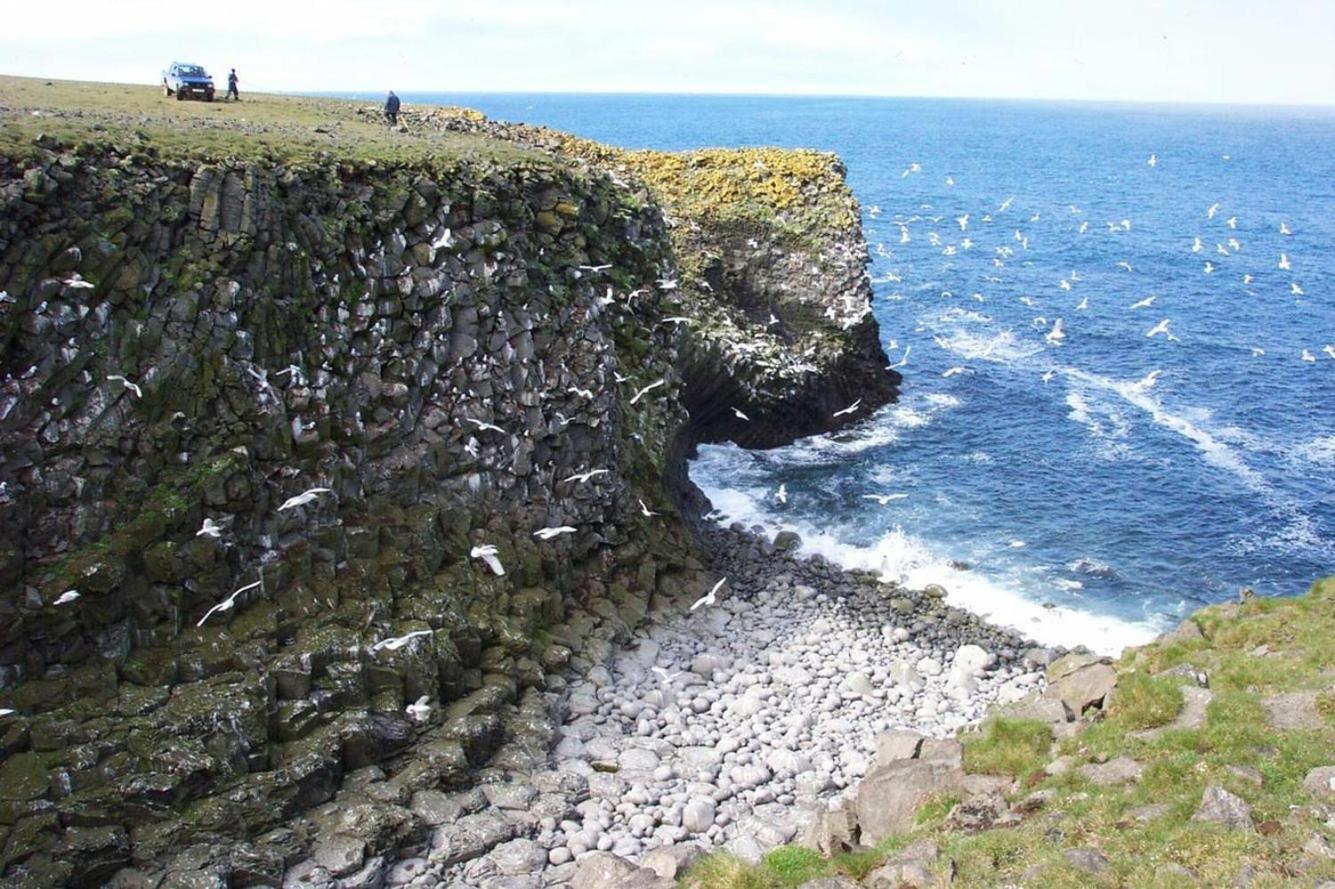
(138, 393)
(210, 528)
(1153, 161)
(646, 511)
(487, 553)
(67, 597)
(782, 494)
(640, 394)
(1056, 334)
(582, 477)
(667, 677)
(594, 268)
(398, 641)
(1161, 327)
(852, 408)
(1144, 303)
(302, 499)
(741, 416)
(549, 533)
(883, 499)
(710, 598)
(226, 604)
(485, 426)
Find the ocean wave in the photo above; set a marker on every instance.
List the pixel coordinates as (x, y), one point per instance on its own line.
(957, 314)
(1002, 347)
(1320, 450)
(905, 559)
(1213, 449)
(1093, 567)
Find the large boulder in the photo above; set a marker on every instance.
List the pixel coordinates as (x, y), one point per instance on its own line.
(603, 870)
(1080, 681)
(889, 796)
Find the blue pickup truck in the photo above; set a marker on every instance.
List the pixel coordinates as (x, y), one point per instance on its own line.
(184, 80)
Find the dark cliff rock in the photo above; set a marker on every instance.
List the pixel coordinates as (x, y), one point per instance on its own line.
(442, 349)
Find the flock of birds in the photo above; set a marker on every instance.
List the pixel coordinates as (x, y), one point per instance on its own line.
(488, 554)
(1226, 245)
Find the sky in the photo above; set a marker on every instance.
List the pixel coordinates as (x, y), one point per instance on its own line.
(1232, 51)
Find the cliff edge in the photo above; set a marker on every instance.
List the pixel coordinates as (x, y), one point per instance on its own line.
(325, 448)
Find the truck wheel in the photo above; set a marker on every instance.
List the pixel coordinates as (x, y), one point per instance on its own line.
(208, 97)
(180, 95)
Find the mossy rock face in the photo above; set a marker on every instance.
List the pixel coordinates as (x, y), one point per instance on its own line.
(23, 776)
(402, 327)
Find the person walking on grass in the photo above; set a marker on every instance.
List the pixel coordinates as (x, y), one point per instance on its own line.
(231, 86)
(392, 109)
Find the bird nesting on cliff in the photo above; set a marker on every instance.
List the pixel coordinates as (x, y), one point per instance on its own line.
(420, 710)
(68, 597)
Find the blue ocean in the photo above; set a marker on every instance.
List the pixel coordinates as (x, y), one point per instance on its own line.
(1116, 326)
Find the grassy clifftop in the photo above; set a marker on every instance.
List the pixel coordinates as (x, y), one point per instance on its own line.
(288, 129)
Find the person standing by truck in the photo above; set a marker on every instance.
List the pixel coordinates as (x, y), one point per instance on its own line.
(231, 86)
(392, 108)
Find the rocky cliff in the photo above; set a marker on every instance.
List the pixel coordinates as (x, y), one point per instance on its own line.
(268, 417)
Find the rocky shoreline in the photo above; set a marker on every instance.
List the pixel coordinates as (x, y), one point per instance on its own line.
(734, 725)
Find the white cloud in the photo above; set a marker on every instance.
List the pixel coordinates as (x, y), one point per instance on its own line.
(1192, 50)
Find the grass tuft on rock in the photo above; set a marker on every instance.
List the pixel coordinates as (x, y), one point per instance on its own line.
(1012, 747)
(1143, 702)
(794, 865)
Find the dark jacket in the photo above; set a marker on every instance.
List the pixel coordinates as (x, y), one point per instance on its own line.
(392, 105)
(231, 79)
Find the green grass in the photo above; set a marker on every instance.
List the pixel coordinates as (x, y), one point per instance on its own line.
(794, 865)
(1143, 702)
(282, 129)
(1012, 747)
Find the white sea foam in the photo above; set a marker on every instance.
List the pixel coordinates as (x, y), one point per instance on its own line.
(958, 314)
(1215, 451)
(1002, 347)
(903, 558)
(1320, 450)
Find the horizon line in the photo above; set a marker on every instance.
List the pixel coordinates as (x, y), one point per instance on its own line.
(755, 94)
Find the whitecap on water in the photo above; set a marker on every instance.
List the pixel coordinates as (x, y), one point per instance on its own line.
(1002, 347)
(1319, 450)
(902, 558)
